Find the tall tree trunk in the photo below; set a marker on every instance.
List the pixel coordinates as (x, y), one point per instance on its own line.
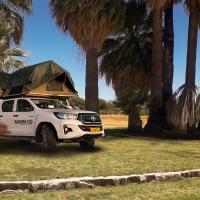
(181, 113)
(134, 120)
(168, 70)
(192, 46)
(91, 89)
(156, 114)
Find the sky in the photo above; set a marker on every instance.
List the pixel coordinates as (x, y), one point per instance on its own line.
(44, 41)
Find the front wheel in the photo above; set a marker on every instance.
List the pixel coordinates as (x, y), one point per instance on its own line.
(87, 145)
(48, 138)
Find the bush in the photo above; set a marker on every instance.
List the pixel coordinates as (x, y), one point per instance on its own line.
(106, 107)
(77, 102)
(144, 111)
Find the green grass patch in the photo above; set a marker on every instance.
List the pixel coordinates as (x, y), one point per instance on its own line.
(182, 190)
(112, 156)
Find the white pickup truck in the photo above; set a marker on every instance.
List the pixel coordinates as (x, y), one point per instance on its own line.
(49, 122)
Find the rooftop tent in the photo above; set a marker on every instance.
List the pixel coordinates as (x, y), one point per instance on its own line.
(4, 78)
(43, 79)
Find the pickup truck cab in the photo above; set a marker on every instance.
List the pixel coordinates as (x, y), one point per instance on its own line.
(48, 121)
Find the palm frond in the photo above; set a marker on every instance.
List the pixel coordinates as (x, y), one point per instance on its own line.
(18, 6)
(157, 4)
(88, 22)
(197, 108)
(10, 64)
(183, 109)
(126, 56)
(12, 13)
(130, 99)
(15, 21)
(188, 3)
(11, 58)
(5, 28)
(14, 51)
(9, 54)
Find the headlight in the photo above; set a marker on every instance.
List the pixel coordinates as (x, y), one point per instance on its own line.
(61, 115)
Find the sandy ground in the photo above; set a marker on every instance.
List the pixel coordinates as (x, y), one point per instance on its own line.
(118, 121)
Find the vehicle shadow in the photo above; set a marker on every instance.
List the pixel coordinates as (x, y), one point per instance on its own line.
(165, 135)
(18, 148)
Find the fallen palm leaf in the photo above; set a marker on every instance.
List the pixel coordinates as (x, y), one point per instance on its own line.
(183, 110)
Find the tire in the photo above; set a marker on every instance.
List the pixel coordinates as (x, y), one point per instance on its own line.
(48, 138)
(87, 145)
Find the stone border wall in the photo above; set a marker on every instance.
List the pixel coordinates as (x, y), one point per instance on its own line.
(91, 182)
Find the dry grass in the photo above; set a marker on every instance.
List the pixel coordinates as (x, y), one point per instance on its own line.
(118, 121)
(112, 156)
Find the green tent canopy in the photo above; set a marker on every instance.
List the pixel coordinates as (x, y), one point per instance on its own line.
(43, 79)
(4, 78)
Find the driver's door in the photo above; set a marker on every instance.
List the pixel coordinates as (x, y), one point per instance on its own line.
(24, 118)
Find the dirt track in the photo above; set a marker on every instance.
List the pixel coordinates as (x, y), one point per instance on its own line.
(118, 121)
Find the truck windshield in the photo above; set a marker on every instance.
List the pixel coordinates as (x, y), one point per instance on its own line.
(48, 104)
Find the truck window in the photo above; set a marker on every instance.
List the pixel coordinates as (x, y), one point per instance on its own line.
(48, 104)
(7, 106)
(24, 106)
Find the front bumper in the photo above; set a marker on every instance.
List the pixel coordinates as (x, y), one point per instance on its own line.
(83, 138)
(75, 130)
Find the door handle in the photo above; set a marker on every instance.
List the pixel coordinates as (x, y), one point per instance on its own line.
(15, 115)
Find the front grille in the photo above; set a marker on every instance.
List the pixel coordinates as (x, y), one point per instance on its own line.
(87, 118)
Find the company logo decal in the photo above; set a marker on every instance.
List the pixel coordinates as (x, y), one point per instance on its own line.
(24, 122)
(93, 118)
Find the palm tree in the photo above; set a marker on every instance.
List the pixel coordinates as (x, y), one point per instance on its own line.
(89, 23)
(168, 67)
(131, 101)
(12, 13)
(125, 61)
(156, 116)
(184, 108)
(9, 55)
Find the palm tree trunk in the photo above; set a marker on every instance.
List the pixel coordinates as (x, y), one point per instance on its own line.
(134, 120)
(168, 70)
(91, 88)
(192, 46)
(182, 111)
(156, 114)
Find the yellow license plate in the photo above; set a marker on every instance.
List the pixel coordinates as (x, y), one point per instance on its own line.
(95, 130)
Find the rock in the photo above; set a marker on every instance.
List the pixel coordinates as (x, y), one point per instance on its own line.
(134, 179)
(195, 173)
(82, 184)
(91, 182)
(101, 181)
(14, 186)
(150, 178)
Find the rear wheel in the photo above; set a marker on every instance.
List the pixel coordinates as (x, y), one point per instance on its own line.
(48, 138)
(87, 145)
